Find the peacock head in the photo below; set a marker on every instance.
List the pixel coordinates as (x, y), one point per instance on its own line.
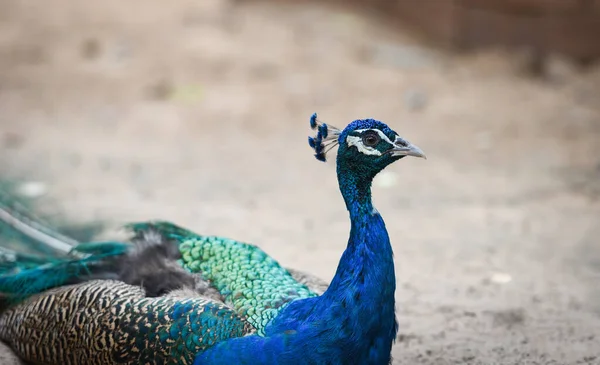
(365, 145)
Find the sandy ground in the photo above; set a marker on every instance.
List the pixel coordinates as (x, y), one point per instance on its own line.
(197, 112)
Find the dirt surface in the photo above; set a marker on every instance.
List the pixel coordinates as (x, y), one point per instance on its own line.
(197, 112)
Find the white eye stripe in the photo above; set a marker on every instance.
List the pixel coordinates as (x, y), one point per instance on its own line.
(381, 134)
(357, 141)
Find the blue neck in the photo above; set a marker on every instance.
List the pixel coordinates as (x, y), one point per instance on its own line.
(356, 191)
(367, 264)
(354, 321)
(365, 280)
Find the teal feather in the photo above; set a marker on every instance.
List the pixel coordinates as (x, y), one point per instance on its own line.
(13, 262)
(109, 248)
(32, 275)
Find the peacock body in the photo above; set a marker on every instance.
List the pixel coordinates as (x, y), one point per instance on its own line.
(260, 313)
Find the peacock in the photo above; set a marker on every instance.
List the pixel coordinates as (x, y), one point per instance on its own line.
(172, 296)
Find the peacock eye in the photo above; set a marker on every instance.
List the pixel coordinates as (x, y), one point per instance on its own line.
(370, 139)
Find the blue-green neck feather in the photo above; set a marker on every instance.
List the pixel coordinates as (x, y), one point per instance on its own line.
(354, 321)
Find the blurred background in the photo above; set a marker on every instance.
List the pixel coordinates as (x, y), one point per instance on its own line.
(197, 112)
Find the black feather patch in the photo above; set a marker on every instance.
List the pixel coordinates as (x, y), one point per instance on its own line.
(152, 264)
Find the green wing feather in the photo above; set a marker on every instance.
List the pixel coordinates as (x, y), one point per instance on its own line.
(251, 281)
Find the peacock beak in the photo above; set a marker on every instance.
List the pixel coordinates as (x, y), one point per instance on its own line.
(403, 147)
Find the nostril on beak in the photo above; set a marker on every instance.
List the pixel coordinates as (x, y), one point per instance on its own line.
(400, 142)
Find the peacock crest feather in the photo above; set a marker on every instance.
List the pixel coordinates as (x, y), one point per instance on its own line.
(325, 140)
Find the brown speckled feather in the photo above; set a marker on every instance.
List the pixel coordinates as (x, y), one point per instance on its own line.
(108, 322)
